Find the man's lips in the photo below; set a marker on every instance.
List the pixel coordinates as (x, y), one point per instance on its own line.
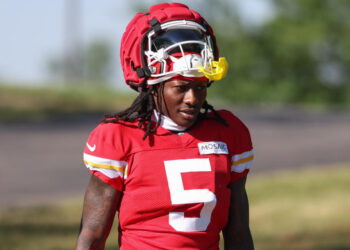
(189, 113)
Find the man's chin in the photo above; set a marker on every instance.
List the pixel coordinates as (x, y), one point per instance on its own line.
(187, 121)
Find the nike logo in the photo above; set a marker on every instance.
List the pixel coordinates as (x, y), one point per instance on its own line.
(92, 149)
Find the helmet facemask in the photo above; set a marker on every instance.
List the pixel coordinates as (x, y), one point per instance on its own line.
(181, 48)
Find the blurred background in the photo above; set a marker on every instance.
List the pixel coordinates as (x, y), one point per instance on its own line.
(288, 81)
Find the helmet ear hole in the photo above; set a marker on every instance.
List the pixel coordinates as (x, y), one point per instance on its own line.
(132, 65)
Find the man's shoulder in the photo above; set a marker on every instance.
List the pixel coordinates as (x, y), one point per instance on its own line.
(116, 130)
(114, 126)
(230, 118)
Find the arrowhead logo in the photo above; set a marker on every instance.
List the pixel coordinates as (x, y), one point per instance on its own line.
(91, 148)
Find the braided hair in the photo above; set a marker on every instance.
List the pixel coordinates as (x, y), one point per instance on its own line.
(143, 106)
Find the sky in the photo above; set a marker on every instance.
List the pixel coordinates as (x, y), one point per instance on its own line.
(32, 32)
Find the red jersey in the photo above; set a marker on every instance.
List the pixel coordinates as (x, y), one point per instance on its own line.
(175, 186)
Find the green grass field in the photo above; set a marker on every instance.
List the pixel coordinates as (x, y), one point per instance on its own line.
(304, 209)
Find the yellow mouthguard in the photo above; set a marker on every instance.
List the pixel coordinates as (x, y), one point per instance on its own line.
(218, 70)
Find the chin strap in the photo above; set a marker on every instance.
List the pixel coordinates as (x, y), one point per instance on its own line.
(218, 70)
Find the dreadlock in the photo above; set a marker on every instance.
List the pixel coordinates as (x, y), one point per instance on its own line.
(142, 109)
(143, 106)
(203, 116)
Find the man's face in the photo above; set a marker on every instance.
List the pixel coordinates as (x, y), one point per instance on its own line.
(183, 99)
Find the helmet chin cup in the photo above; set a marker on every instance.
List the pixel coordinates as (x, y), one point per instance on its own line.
(216, 71)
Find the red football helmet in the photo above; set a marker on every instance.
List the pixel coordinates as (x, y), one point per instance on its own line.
(171, 40)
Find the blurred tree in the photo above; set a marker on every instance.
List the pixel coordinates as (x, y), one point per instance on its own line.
(72, 68)
(97, 62)
(301, 55)
(95, 65)
(54, 68)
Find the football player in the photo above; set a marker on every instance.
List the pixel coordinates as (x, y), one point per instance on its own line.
(171, 167)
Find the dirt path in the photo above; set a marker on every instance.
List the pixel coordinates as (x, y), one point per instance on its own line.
(43, 162)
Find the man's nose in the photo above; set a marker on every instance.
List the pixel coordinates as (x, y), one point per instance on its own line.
(191, 97)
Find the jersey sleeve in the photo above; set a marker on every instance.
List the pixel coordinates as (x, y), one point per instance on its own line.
(241, 147)
(104, 157)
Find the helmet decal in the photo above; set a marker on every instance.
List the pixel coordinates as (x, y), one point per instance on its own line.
(168, 41)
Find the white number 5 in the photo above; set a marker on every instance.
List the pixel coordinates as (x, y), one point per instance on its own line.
(180, 196)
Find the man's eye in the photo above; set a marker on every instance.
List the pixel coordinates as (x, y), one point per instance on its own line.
(182, 88)
(201, 87)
